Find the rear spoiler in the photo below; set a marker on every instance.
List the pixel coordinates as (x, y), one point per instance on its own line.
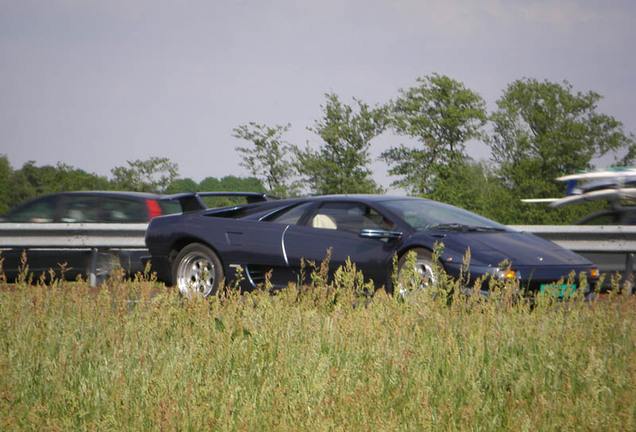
(192, 202)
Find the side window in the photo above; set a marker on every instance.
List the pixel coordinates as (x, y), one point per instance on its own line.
(122, 210)
(290, 216)
(41, 210)
(629, 218)
(80, 209)
(351, 217)
(602, 219)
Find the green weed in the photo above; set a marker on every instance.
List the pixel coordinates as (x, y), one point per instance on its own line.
(133, 355)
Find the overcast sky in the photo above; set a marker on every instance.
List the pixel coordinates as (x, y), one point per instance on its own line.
(94, 83)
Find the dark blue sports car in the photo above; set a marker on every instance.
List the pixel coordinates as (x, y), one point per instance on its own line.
(198, 250)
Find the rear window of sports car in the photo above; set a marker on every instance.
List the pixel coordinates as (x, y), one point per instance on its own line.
(290, 216)
(233, 213)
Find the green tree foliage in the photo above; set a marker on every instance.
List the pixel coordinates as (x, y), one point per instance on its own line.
(238, 184)
(442, 115)
(472, 185)
(69, 178)
(62, 177)
(182, 185)
(340, 165)
(268, 158)
(229, 184)
(477, 187)
(543, 130)
(5, 175)
(31, 181)
(152, 175)
(210, 184)
(19, 189)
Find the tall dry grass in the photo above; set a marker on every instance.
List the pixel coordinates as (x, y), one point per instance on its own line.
(135, 356)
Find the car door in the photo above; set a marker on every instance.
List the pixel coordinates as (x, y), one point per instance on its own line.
(51, 209)
(249, 248)
(40, 210)
(336, 226)
(72, 208)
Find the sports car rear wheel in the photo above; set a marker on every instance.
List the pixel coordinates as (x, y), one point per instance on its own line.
(423, 275)
(197, 271)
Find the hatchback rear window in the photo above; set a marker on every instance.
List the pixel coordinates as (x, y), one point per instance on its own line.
(123, 210)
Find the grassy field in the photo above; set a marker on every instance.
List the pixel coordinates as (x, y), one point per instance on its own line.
(134, 356)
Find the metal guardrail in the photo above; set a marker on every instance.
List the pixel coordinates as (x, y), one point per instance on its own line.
(586, 238)
(612, 248)
(94, 236)
(73, 235)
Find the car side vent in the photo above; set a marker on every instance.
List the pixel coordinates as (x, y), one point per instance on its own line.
(256, 275)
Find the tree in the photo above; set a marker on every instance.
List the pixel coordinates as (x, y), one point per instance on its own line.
(182, 185)
(543, 130)
(442, 115)
(67, 178)
(340, 165)
(19, 189)
(229, 184)
(268, 159)
(210, 184)
(59, 178)
(238, 184)
(472, 185)
(31, 181)
(152, 175)
(5, 174)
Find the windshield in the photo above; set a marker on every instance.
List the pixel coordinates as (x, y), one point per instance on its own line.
(426, 215)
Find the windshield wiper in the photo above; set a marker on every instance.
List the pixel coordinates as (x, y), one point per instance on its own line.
(461, 227)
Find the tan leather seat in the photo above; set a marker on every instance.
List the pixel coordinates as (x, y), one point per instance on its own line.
(323, 221)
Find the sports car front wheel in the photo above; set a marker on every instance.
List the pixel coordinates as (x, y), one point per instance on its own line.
(197, 271)
(424, 273)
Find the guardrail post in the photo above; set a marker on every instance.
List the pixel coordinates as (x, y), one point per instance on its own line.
(92, 275)
(629, 269)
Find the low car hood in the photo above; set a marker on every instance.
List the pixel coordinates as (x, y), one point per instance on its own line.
(518, 248)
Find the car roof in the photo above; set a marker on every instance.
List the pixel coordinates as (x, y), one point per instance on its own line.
(117, 194)
(104, 193)
(362, 197)
(255, 207)
(368, 199)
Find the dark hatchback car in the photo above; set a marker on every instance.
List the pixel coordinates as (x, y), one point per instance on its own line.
(83, 207)
(614, 216)
(92, 207)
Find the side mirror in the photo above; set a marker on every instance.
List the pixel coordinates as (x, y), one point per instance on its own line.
(380, 234)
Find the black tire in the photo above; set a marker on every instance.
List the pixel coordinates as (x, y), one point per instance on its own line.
(425, 269)
(197, 271)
